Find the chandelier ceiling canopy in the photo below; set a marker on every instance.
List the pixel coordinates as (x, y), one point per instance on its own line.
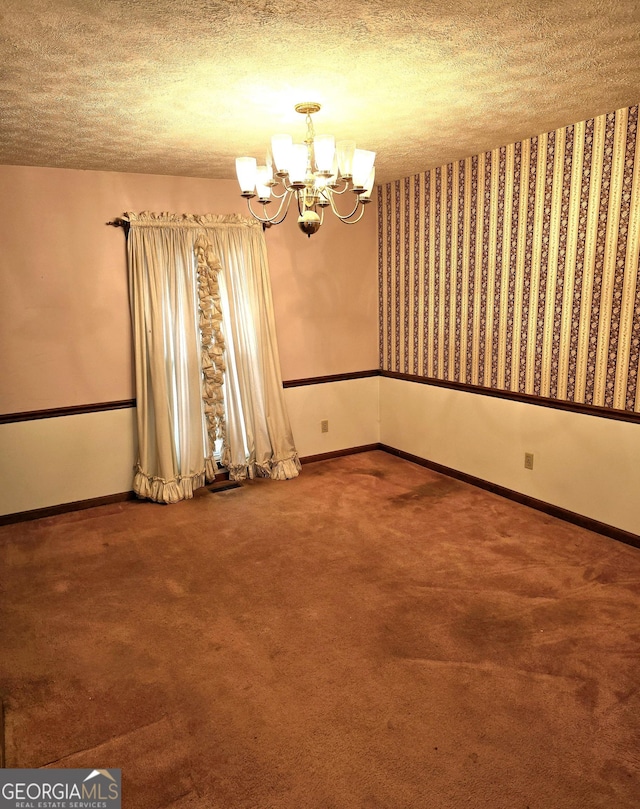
(315, 172)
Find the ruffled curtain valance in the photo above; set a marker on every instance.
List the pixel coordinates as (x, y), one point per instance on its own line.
(147, 219)
(207, 366)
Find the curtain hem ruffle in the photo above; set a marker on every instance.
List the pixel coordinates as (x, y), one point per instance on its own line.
(283, 469)
(147, 487)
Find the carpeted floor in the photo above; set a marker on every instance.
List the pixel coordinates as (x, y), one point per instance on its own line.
(370, 635)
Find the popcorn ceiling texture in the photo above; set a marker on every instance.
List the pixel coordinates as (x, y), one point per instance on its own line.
(183, 86)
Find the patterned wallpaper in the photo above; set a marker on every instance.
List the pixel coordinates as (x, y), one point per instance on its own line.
(517, 269)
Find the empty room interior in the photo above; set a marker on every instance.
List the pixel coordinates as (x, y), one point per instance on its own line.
(320, 402)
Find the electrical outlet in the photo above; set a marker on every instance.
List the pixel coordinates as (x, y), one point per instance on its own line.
(324, 426)
(528, 460)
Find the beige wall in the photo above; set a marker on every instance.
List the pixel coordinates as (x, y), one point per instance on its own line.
(585, 464)
(63, 460)
(50, 461)
(64, 319)
(350, 406)
(325, 292)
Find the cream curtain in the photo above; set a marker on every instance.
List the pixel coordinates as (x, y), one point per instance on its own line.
(207, 366)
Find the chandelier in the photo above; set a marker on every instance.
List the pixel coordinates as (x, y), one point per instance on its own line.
(316, 172)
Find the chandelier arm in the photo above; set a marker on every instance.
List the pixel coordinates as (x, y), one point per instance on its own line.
(271, 220)
(286, 210)
(282, 182)
(342, 190)
(349, 215)
(285, 183)
(349, 221)
(279, 196)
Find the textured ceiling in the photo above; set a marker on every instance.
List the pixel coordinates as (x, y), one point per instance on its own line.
(183, 86)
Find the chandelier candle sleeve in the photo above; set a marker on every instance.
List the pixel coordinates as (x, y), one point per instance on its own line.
(316, 173)
(333, 179)
(362, 166)
(246, 169)
(298, 164)
(281, 151)
(324, 147)
(263, 179)
(344, 152)
(366, 194)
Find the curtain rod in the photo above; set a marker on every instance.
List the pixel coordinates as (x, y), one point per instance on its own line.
(118, 222)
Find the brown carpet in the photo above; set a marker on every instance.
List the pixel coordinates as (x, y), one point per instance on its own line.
(369, 635)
